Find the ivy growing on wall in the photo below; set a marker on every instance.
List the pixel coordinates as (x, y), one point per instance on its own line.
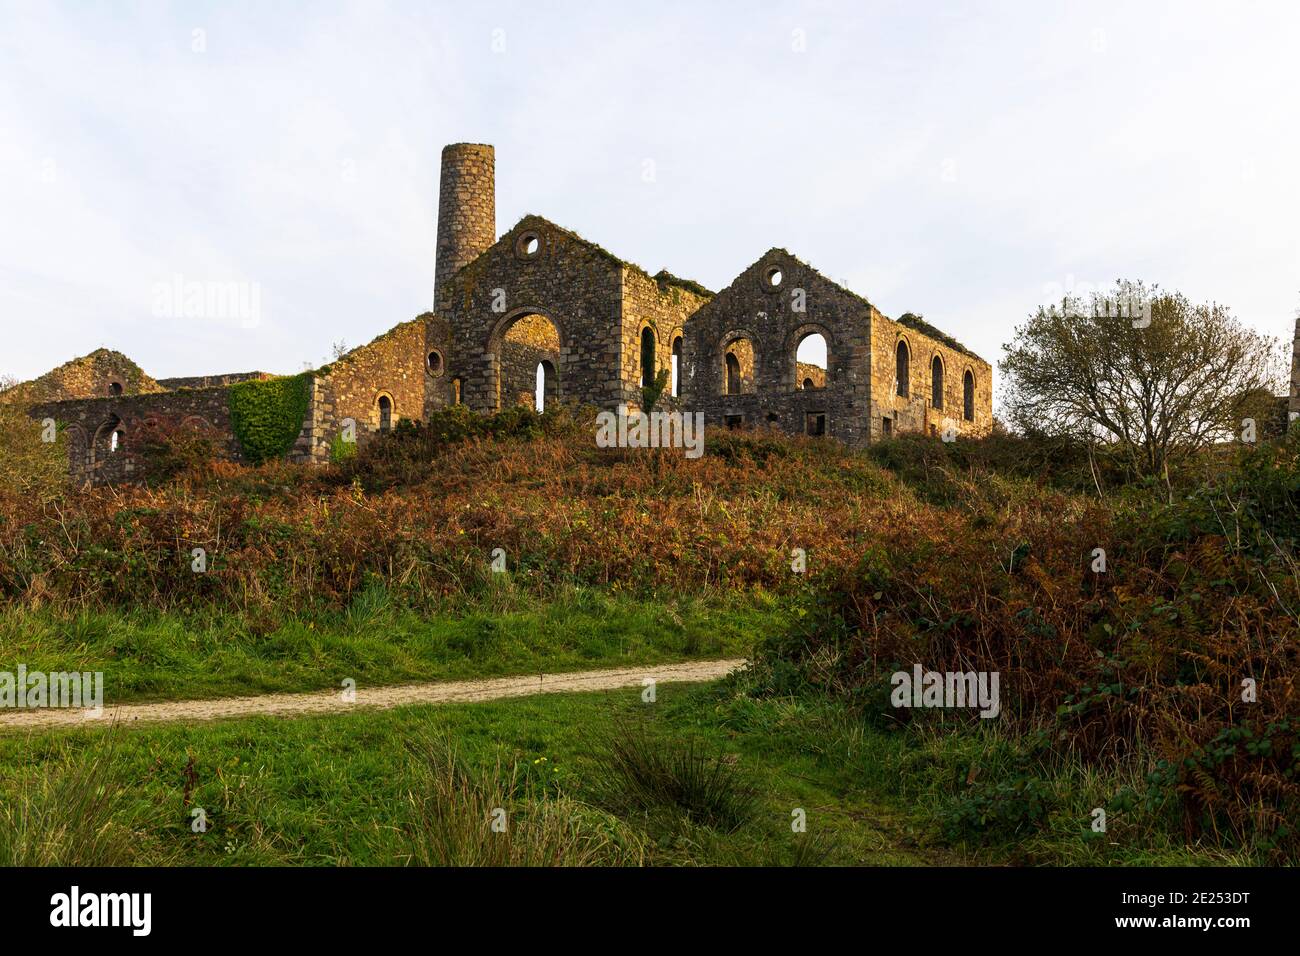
(267, 415)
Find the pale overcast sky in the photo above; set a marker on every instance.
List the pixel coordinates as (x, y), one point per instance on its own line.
(961, 160)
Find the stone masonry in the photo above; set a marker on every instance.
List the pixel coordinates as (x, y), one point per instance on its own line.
(542, 297)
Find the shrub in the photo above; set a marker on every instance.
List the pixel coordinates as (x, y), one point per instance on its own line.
(998, 809)
(267, 416)
(452, 809)
(1146, 659)
(170, 451)
(28, 465)
(645, 773)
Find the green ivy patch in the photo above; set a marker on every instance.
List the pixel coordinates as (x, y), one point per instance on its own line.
(267, 415)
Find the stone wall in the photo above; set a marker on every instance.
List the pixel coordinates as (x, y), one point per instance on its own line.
(763, 323)
(757, 320)
(660, 304)
(573, 283)
(917, 412)
(814, 374)
(90, 423)
(528, 343)
(396, 366)
(102, 373)
(207, 381)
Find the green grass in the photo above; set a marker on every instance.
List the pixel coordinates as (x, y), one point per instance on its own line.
(706, 775)
(148, 656)
(338, 789)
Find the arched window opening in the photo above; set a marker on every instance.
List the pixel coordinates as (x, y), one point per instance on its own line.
(936, 382)
(647, 357)
(547, 389)
(109, 439)
(677, 366)
(903, 373)
(739, 369)
(455, 391)
(115, 388)
(733, 374)
(811, 361)
(968, 396)
(385, 413)
(526, 341)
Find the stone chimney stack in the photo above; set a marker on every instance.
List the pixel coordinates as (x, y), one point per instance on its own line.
(467, 209)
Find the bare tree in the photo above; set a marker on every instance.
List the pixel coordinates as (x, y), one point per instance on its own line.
(1140, 372)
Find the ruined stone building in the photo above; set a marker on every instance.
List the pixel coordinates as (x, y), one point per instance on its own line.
(539, 314)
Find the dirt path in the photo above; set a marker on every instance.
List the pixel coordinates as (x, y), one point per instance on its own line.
(331, 701)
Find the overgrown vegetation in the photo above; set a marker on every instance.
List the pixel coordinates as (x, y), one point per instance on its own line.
(169, 451)
(29, 466)
(1128, 628)
(498, 815)
(82, 814)
(267, 415)
(1122, 683)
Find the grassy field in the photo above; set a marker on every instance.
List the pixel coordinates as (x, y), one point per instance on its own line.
(705, 775)
(147, 656)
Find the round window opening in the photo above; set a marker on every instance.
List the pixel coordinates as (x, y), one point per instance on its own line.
(528, 246)
(773, 277)
(435, 362)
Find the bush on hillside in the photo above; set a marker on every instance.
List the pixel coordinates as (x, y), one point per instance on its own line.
(1148, 656)
(169, 451)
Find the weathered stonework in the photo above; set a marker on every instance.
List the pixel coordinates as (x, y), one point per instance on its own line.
(467, 208)
(406, 367)
(766, 313)
(600, 329)
(921, 410)
(207, 381)
(102, 373)
(90, 424)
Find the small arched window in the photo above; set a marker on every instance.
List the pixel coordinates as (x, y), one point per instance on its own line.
(733, 374)
(385, 413)
(936, 382)
(903, 372)
(808, 383)
(677, 366)
(647, 357)
(968, 396)
(115, 388)
(455, 391)
(547, 388)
